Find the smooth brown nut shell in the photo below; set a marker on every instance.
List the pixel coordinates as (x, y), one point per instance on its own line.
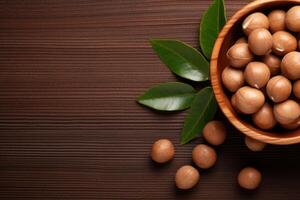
(162, 151)
(255, 21)
(273, 62)
(283, 43)
(287, 112)
(232, 78)
(249, 100)
(204, 156)
(254, 145)
(296, 89)
(249, 178)
(257, 74)
(292, 126)
(260, 41)
(214, 132)
(279, 88)
(239, 55)
(290, 65)
(264, 118)
(186, 177)
(242, 40)
(277, 20)
(292, 19)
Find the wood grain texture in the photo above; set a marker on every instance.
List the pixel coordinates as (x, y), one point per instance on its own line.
(70, 128)
(226, 38)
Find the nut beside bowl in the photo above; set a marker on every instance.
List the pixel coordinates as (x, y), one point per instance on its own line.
(230, 33)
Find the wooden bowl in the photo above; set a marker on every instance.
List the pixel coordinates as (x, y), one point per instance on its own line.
(230, 33)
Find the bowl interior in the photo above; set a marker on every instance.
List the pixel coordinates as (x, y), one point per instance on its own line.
(230, 33)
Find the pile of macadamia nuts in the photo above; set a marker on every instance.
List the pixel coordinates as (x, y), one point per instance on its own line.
(264, 72)
(205, 157)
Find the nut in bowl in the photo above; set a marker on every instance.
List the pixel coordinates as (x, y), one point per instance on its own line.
(262, 34)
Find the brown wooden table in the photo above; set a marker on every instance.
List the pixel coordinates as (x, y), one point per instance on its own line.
(70, 128)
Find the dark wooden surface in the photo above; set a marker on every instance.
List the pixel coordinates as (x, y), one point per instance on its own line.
(70, 128)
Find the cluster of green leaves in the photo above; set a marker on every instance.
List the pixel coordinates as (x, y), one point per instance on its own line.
(188, 63)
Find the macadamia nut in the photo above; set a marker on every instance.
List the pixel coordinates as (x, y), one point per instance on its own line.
(279, 88)
(239, 55)
(162, 151)
(287, 112)
(257, 74)
(249, 178)
(186, 177)
(232, 78)
(290, 65)
(260, 41)
(255, 21)
(277, 20)
(283, 43)
(293, 19)
(249, 100)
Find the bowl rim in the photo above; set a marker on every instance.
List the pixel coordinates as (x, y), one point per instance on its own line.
(217, 85)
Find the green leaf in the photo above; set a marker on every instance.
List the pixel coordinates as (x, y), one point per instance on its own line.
(203, 110)
(211, 24)
(172, 96)
(182, 59)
